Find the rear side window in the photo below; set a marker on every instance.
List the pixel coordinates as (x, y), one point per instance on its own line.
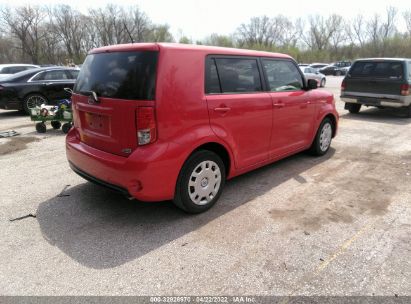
(375, 69)
(213, 82)
(238, 75)
(282, 75)
(121, 75)
(73, 74)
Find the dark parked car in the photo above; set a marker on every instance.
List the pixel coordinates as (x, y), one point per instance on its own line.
(34, 87)
(336, 68)
(378, 82)
(332, 70)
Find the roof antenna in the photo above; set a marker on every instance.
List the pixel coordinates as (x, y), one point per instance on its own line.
(128, 32)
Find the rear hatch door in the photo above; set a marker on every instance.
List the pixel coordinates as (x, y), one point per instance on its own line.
(122, 81)
(381, 77)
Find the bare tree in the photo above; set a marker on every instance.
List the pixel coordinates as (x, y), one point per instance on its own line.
(407, 19)
(322, 30)
(69, 26)
(25, 23)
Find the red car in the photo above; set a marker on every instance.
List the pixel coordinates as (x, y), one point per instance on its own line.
(168, 121)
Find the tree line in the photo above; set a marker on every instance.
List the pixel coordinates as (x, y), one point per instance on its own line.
(60, 34)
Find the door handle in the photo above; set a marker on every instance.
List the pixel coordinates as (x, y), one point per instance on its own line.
(49, 83)
(278, 105)
(222, 109)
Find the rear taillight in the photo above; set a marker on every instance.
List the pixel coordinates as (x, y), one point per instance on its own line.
(343, 85)
(405, 89)
(146, 125)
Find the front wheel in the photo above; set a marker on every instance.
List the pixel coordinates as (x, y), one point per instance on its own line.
(322, 84)
(322, 140)
(200, 183)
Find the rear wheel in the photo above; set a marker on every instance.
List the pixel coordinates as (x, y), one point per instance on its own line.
(200, 183)
(41, 127)
(408, 111)
(322, 140)
(337, 73)
(322, 83)
(32, 101)
(353, 108)
(66, 127)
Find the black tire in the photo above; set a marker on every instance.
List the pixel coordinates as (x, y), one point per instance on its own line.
(182, 196)
(408, 111)
(41, 127)
(338, 73)
(353, 108)
(56, 124)
(66, 127)
(33, 100)
(317, 147)
(322, 83)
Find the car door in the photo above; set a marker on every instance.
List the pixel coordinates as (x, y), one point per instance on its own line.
(240, 112)
(54, 83)
(293, 109)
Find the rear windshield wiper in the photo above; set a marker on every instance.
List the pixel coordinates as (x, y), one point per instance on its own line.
(89, 93)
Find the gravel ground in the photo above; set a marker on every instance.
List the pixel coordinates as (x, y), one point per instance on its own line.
(336, 225)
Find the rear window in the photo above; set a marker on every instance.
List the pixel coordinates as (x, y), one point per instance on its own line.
(121, 75)
(375, 69)
(233, 75)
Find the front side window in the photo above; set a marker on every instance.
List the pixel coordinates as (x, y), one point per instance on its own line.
(120, 75)
(238, 75)
(282, 75)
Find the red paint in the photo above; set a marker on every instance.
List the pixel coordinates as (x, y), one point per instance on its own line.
(255, 129)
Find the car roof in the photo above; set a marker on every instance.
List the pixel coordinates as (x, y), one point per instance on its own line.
(196, 48)
(17, 64)
(384, 59)
(35, 71)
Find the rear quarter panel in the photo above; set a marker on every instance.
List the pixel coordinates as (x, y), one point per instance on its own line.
(181, 106)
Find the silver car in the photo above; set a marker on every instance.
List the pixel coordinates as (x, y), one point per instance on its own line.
(311, 73)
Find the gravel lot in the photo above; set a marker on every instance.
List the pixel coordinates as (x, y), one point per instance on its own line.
(336, 225)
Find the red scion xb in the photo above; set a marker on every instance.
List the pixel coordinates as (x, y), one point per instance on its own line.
(171, 121)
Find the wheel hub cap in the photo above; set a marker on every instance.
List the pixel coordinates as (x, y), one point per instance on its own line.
(204, 182)
(325, 137)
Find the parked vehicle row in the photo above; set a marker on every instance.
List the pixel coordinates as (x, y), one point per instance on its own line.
(164, 121)
(312, 73)
(336, 68)
(33, 87)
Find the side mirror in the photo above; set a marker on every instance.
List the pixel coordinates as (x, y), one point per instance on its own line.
(312, 84)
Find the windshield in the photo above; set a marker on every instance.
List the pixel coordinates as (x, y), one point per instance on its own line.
(120, 75)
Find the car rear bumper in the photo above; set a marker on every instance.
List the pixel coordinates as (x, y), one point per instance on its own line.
(148, 174)
(395, 101)
(11, 104)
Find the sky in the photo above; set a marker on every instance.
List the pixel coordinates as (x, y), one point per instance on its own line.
(197, 19)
